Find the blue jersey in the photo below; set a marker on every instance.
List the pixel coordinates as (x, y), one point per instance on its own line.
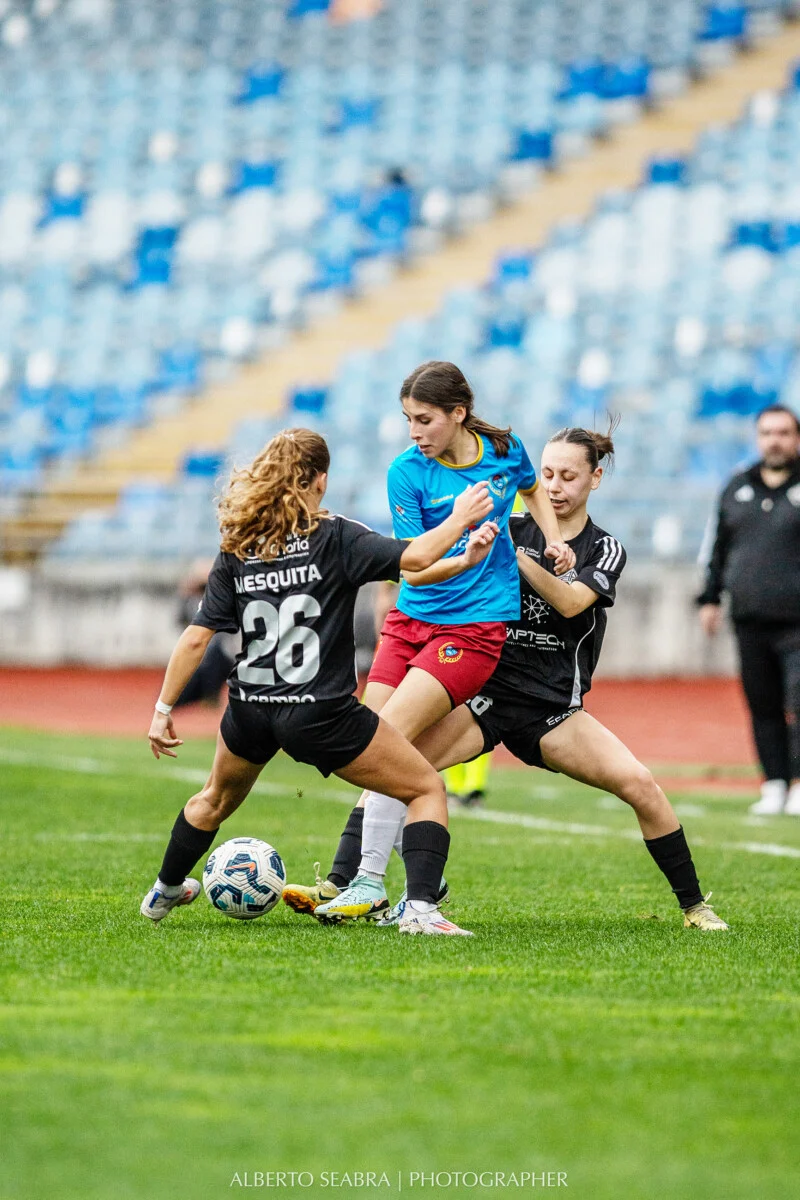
(422, 492)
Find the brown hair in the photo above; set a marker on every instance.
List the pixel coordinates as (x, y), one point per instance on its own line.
(597, 445)
(442, 385)
(779, 408)
(264, 504)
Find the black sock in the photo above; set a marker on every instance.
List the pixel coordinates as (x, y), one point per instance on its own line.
(425, 848)
(348, 856)
(672, 855)
(187, 844)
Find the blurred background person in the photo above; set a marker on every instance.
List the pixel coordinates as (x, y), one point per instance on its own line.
(206, 683)
(756, 559)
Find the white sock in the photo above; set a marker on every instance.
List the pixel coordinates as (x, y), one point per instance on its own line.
(382, 815)
(372, 875)
(793, 796)
(398, 841)
(169, 890)
(421, 906)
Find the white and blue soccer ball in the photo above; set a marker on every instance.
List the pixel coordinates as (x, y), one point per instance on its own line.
(244, 878)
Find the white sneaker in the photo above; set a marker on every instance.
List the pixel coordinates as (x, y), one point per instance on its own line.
(792, 805)
(773, 799)
(428, 922)
(156, 905)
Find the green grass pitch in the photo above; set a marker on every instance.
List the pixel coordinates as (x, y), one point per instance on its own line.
(574, 1033)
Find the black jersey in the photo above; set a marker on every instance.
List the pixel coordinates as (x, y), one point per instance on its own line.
(296, 612)
(548, 657)
(756, 554)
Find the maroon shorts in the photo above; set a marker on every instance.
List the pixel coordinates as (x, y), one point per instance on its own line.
(461, 657)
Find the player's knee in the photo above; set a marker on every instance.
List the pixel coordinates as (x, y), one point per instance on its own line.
(214, 801)
(639, 788)
(434, 787)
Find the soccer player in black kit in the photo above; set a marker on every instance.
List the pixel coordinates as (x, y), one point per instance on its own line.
(287, 576)
(756, 559)
(533, 701)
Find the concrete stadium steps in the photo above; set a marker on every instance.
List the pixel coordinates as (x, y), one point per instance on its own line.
(314, 354)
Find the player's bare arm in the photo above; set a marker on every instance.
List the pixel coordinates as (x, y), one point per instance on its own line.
(478, 546)
(539, 506)
(184, 661)
(470, 508)
(568, 599)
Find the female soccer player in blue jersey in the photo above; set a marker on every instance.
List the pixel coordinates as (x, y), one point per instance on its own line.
(442, 641)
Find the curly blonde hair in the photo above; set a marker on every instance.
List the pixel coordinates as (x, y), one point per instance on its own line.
(266, 504)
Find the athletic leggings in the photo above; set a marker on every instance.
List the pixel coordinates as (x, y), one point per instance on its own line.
(769, 654)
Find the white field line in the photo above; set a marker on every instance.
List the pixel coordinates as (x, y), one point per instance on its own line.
(95, 766)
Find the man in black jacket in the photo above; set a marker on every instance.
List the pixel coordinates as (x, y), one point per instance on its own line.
(756, 559)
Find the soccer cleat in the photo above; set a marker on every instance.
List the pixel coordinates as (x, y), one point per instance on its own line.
(156, 905)
(429, 922)
(396, 911)
(364, 900)
(792, 806)
(307, 899)
(702, 916)
(773, 799)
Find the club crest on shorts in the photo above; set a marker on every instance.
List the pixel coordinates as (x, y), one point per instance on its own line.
(448, 653)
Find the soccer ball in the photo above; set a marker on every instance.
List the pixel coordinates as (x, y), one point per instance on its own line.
(244, 878)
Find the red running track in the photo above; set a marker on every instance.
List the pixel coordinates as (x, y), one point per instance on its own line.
(663, 721)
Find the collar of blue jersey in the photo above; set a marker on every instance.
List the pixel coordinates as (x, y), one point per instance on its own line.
(463, 466)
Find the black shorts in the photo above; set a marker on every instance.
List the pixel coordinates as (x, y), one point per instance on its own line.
(520, 727)
(328, 734)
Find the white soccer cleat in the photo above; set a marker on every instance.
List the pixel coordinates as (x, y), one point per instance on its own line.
(156, 905)
(396, 911)
(429, 922)
(773, 799)
(792, 806)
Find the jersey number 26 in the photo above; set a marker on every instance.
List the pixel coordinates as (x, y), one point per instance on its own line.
(289, 641)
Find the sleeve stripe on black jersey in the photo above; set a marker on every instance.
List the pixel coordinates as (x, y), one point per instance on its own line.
(612, 553)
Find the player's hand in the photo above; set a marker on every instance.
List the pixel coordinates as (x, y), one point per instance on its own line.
(480, 542)
(711, 619)
(473, 504)
(162, 736)
(563, 556)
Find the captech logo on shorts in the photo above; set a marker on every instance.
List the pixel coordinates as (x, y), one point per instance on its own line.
(450, 653)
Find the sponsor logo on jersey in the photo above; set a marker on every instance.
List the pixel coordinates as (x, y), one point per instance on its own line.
(398, 508)
(744, 494)
(530, 553)
(441, 499)
(539, 641)
(536, 609)
(498, 484)
(298, 546)
(601, 579)
(448, 653)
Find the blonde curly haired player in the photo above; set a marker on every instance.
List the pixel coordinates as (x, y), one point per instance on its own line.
(287, 576)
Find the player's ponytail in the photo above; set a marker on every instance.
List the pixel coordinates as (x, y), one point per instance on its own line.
(599, 447)
(443, 385)
(267, 504)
